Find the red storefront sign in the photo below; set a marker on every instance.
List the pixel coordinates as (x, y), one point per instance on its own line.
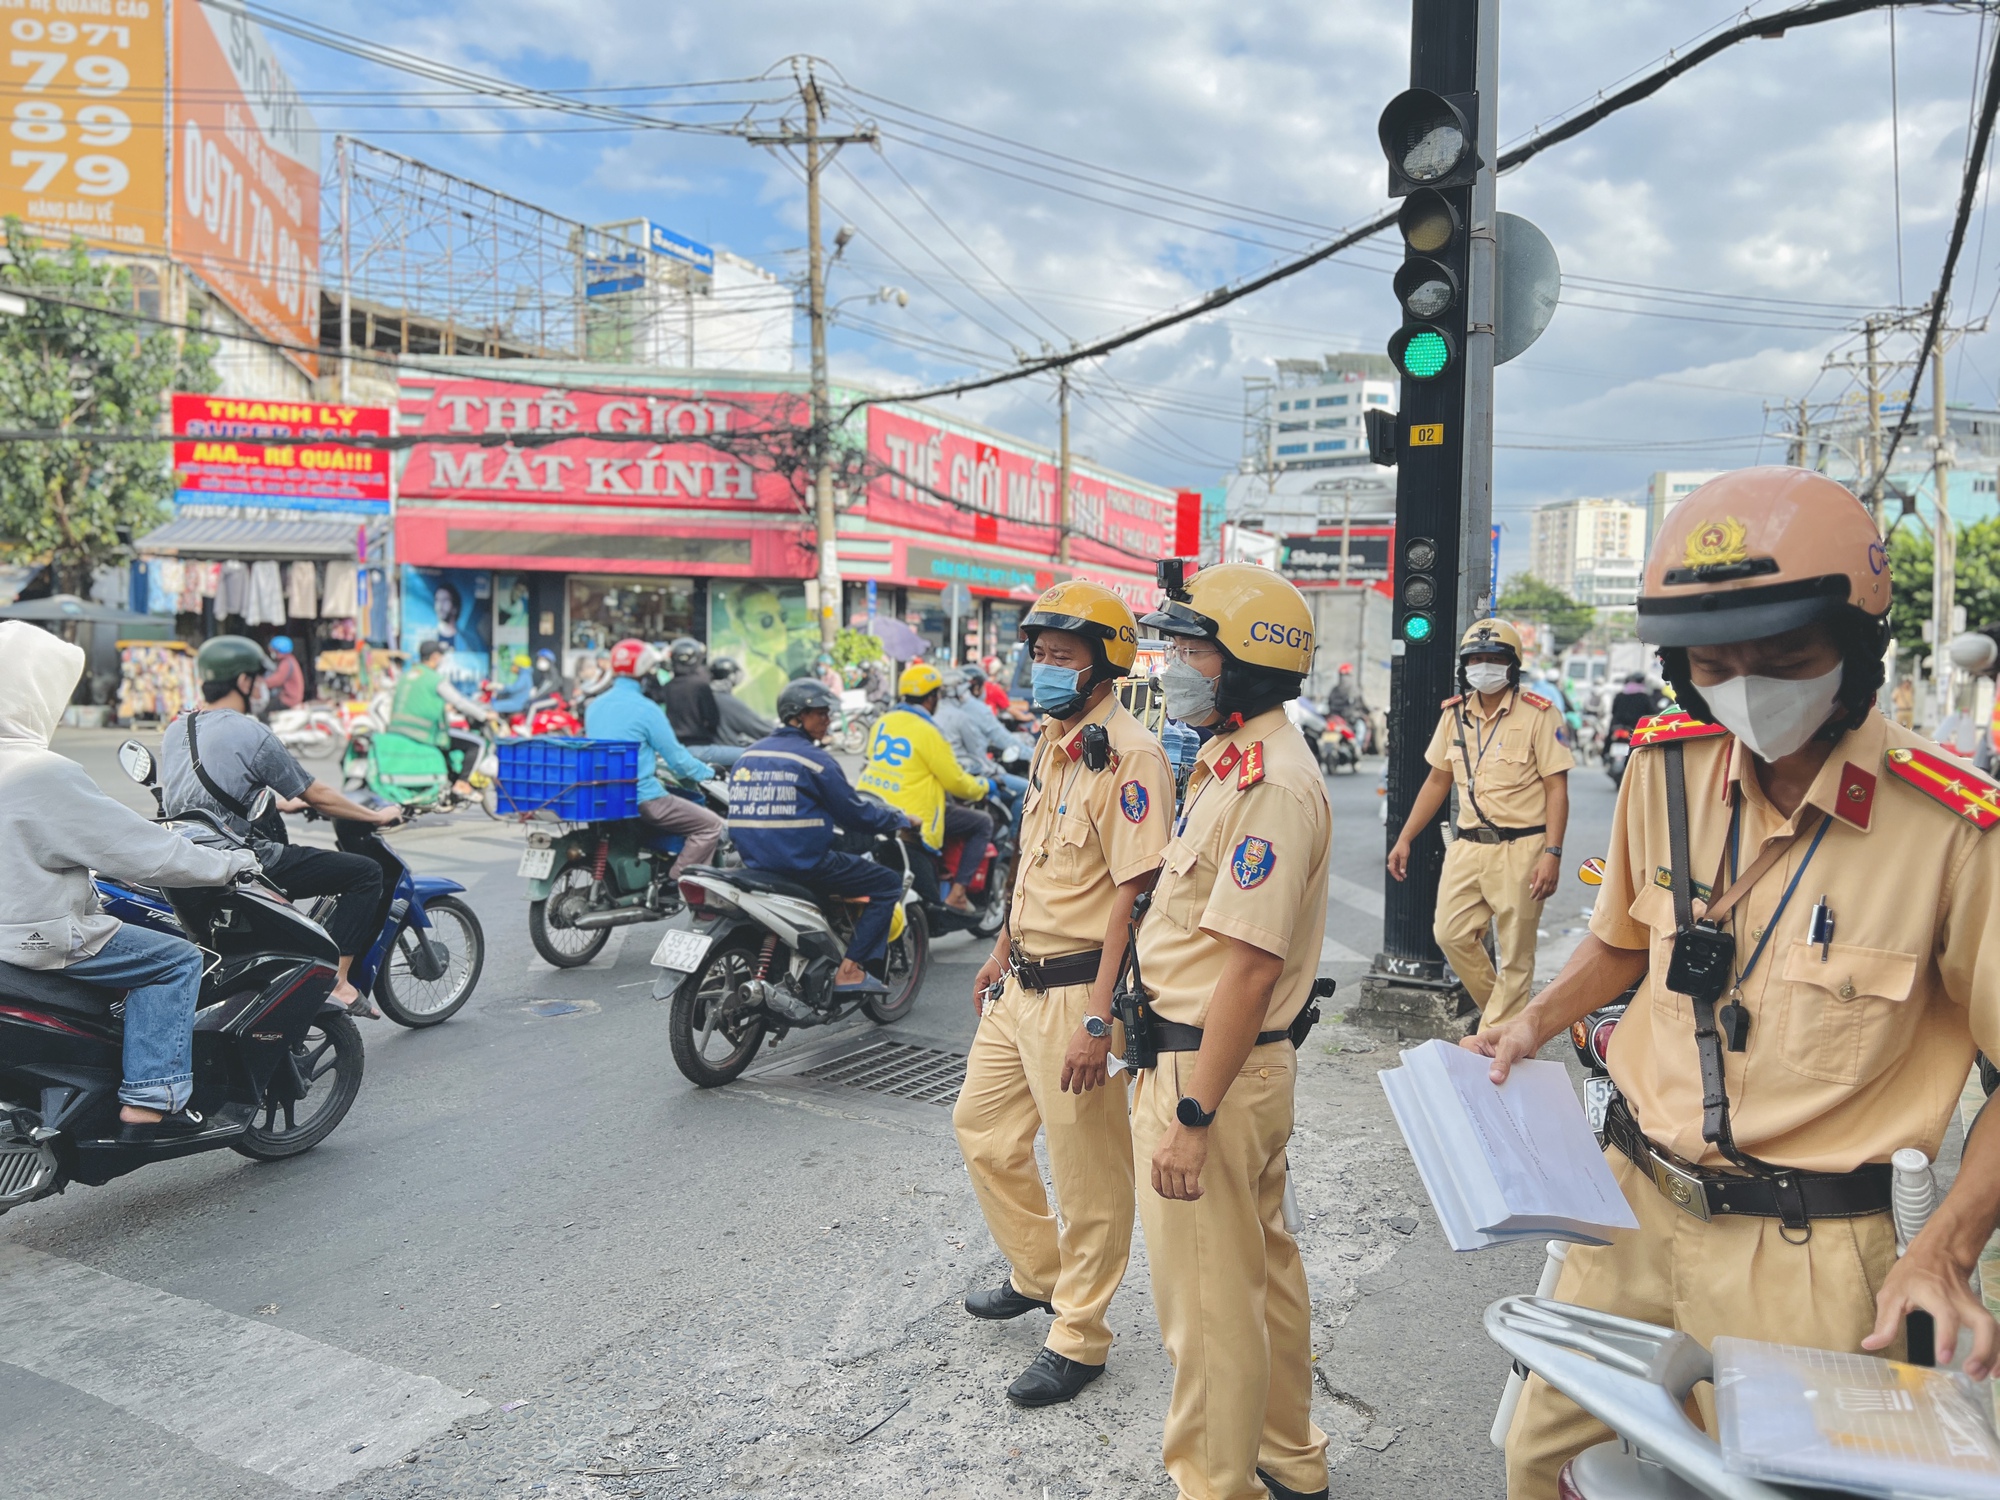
(232, 449)
(701, 450)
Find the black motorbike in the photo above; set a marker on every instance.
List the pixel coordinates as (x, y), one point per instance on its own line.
(275, 1066)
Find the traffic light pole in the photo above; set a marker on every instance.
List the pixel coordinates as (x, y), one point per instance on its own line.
(1476, 580)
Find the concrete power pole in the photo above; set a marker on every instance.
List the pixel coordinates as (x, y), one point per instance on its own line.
(1944, 544)
(1872, 445)
(1063, 517)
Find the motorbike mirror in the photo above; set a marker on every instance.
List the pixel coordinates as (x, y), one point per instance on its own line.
(136, 761)
(262, 803)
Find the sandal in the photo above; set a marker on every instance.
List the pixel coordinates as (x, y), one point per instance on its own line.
(359, 1008)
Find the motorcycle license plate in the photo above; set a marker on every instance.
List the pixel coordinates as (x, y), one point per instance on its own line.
(536, 863)
(1597, 1096)
(681, 951)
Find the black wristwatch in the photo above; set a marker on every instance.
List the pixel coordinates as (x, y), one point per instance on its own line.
(1096, 1026)
(1190, 1113)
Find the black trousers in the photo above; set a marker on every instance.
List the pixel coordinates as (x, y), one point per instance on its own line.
(354, 878)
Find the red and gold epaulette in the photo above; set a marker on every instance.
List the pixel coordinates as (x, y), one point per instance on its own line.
(1453, 702)
(1535, 700)
(1678, 725)
(1964, 791)
(1252, 770)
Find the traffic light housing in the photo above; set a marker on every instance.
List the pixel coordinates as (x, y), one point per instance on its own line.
(1430, 139)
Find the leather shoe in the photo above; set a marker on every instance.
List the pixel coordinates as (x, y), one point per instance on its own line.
(1051, 1378)
(1285, 1492)
(1002, 1303)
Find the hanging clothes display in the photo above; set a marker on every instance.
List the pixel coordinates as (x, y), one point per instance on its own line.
(232, 591)
(340, 599)
(267, 594)
(302, 592)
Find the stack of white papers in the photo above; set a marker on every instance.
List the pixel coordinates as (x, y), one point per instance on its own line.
(1503, 1163)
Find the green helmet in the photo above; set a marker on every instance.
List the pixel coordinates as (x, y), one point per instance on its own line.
(224, 658)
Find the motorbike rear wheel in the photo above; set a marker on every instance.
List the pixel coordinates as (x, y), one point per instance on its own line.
(565, 946)
(695, 1024)
(328, 1064)
(909, 958)
(410, 1001)
(994, 912)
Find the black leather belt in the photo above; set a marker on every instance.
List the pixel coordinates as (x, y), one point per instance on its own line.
(1795, 1197)
(1500, 835)
(1171, 1036)
(1054, 973)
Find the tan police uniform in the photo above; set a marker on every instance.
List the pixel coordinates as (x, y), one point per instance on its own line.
(1249, 861)
(1853, 1051)
(1083, 833)
(1497, 759)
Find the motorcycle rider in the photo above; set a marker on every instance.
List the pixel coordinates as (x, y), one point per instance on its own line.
(1635, 701)
(1097, 821)
(971, 740)
(911, 766)
(738, 717)
(285, 683)
(691, 707)
(217, 758)
(1753, 1141)
(518, 694)
(788, 803)
(419, 712)
(56, 827)
(624, 712)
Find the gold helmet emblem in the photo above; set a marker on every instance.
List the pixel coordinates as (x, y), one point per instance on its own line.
(1717, 544)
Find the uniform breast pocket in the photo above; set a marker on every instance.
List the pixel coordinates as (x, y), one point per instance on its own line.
(1654, 906)
(1512, 761)
(1173, 896)
(1069, 850)
(1845, 1019)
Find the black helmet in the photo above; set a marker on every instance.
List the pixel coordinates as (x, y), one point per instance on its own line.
(427, 649)
(228, 657)
(802, 694)
(686, 653)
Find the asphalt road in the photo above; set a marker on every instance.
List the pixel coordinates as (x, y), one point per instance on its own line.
(535, 1261)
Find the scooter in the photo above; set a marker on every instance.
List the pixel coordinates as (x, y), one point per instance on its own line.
(311, 730)
(275, 1066)
(430, 950)
(1617, 751)
(1340, 748)
(753, 954)
(986, 888)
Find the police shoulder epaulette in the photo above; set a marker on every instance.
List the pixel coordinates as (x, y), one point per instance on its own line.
(1453, 702)
(1664, 728)
(1948, 783)
(1535, 700)
(1250, 770)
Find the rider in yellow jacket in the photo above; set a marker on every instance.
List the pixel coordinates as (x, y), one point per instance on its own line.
(911, 766)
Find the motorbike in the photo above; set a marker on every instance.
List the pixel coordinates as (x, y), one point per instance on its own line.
(754, 955)
(276, 1067)
(1340, 746)
(586, 878)
(311, 731)
(1617, 751)
(987, 887)
(418, 974)
(406, 771)
(857, 721)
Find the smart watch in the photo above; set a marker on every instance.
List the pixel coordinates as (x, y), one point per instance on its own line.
(1096, 1026)
(1190, 1113)
(1555, 849)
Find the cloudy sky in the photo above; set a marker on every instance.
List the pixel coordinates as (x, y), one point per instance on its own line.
(1051, 172)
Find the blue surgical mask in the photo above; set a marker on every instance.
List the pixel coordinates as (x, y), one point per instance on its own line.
(1055, 690)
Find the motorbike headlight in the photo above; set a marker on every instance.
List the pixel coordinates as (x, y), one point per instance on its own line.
(537, 839)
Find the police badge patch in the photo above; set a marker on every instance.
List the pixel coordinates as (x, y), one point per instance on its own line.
(1251, 865)
(1133, 801)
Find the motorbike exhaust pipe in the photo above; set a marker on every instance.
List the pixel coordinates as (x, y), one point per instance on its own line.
(622, 916)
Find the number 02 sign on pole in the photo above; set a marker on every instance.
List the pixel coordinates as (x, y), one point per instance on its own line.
(84, 150)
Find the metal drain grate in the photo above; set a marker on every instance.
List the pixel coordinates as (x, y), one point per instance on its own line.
(920, 1073)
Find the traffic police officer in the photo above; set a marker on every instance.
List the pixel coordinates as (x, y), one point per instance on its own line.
(1766, 1082)
(1100, 798)
(1498, 744)
(1228, 953)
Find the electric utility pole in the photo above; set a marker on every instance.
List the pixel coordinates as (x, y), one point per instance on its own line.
(1063, 520)
(1872, 444)
(1944, 542)
(819, 151)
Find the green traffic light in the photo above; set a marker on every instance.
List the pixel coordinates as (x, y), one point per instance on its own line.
(1417, 628)
(1426, 354)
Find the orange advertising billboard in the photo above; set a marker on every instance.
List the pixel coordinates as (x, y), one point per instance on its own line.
(85, 82)
(246, 176)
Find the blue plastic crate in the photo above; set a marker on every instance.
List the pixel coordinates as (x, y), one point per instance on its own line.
(579, 781)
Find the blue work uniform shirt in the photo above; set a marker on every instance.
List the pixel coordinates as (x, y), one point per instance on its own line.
(787, 799)
(624, 712)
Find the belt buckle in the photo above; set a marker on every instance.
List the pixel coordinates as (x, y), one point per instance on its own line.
(1678, 1186)
(1485, 836)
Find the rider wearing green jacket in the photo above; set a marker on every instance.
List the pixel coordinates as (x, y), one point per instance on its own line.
(422, 702)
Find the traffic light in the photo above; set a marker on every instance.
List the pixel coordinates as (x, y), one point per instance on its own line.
(1417, 589)
(1430, 141)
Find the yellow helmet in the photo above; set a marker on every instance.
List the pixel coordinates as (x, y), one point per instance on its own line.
(919, 680)
(1486, 636)
(1090, 610)
(1257, 617)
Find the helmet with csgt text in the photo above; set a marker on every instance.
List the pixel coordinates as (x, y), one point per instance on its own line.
(1491, 638)
(919, 680)
(633, 658)
(1257, 617)
(1092, 611)
(801, 696)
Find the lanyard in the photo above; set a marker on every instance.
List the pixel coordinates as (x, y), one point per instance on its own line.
(1771, 926)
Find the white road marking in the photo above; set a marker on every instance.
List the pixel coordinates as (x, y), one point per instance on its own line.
(273, 1401)
(1333, 951)
(1362, 898)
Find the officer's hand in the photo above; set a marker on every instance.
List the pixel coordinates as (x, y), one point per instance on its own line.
(1542, 880)
(1177, 1162)
(1506, 1044)
(1927, 1279)
(1399, 859)
(1083, 1065)
(988, 976)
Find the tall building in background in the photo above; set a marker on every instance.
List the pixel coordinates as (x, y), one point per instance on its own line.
(1310, 415)
(1667, 489)
(1594, 550)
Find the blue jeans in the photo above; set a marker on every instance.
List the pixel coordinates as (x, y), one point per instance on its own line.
(839, 874)
(161, 977)
(722, 757)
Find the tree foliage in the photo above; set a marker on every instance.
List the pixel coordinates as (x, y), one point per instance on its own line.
(853, 647)
(1975, 579)
(71, 370)
(1526, 597)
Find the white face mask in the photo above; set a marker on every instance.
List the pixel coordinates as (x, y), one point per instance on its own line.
(1486, 677)
(1773, 716)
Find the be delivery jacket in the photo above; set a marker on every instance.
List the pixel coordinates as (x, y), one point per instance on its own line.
(911, 764)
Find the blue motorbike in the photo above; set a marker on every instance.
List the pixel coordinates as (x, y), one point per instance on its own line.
(429, 949)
